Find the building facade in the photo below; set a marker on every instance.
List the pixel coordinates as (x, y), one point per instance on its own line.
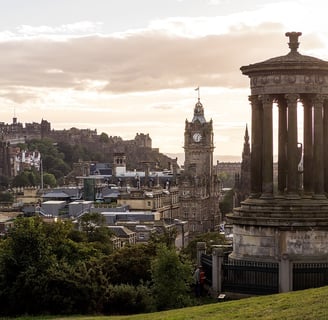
(199, 184)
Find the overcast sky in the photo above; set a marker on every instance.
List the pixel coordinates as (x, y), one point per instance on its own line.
(131, 66)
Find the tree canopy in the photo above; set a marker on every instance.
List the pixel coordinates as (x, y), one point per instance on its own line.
(66, 268)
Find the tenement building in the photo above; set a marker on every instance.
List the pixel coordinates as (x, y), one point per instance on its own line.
(199, 184)
(290, 223)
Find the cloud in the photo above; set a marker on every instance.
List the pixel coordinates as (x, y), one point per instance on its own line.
(142, 61)
(80, 27)
(172, 53)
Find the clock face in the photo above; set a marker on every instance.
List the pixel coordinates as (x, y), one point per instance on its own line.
(197, 137)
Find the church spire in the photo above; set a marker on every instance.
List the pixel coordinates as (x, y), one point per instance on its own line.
(247, 149)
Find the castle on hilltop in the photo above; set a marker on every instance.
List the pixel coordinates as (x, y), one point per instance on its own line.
(16, 133)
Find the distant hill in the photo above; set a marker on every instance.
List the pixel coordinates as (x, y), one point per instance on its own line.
(221, 158)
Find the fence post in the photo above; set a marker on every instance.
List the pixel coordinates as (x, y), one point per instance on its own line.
(285, 274)
(201, 248)
(217, 262)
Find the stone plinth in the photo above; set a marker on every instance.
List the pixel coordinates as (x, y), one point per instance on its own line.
(268, 229)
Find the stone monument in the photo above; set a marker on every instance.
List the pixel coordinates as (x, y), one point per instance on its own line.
(290, 220)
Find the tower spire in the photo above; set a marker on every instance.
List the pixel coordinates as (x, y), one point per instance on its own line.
(246, 150)
(198, 110)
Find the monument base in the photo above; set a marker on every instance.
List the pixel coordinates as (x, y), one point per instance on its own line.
(265, 230)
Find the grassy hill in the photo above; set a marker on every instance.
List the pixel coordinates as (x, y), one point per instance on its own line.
(298, 305)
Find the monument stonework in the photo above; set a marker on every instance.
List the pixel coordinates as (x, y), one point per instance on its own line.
(289, 220)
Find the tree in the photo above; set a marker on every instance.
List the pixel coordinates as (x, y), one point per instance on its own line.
(52, 159)
(210, 238)
(42, 270)
(6, 197)
(96, 231)
(226, 204)
(21, 180)
(227, 179)
(49, 180)
(171, 279)
(103, 138)
(4, 182)
(130, 264)
(167, 236)
(27, 178)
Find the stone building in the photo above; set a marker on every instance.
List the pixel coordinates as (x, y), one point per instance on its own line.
(289, 224)
(199, 183)
(166, 202)
(227, 172)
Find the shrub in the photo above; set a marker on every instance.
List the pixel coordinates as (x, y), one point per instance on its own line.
(128, 299)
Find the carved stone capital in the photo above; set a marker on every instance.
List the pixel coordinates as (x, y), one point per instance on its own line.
(282, 103)
(255, 102)
(253, 99)
(306, 100)
(266, 100)
(292, 98)
(318, 100)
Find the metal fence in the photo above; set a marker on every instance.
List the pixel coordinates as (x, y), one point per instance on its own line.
(309, 275)
(254, 277)
(206, 262)
(250, 277)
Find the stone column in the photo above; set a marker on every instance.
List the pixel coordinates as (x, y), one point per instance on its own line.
(308, 147)
(285, 274)
(292, 151)
(318, 181)
(325, 143)
(282, 145)
(256, 147)
(267, 148)
(217, 275)
(201, 249)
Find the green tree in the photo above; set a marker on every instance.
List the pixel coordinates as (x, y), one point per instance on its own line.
(210, 238)
(171, 279)
(103, 138)
(226, 203)
(52, 159)
(6, 197)
(27, 178)
(31, 178)
(167, 236)
(49, 180)
(4, 182)
(96, 231)
(42, 270)
(130, 264)
(21, 180)
(227, 179)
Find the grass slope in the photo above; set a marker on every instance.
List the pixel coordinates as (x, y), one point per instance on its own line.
(298, 305)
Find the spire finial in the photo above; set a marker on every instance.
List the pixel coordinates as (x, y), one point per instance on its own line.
(246, 136)
(293, 40)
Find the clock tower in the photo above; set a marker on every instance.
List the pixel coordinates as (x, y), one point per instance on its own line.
(199, 184)
(198, 143)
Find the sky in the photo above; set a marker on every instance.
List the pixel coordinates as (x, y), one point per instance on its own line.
(131, 66)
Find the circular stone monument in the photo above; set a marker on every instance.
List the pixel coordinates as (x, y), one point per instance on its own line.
(289, 219)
